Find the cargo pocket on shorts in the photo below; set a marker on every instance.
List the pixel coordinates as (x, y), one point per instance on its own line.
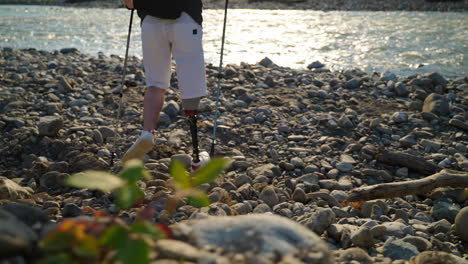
(188, 37)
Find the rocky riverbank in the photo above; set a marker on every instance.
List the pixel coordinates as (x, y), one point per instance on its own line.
(301, 140)
(354, 5)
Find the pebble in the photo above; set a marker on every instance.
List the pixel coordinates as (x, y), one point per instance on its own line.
(269, 196)
(445, 209)
(436, 257)
(50, 125)
(354, 255)
(319, 220)
(363, 238)
(399, 249)
(461, 222)
(71, 210)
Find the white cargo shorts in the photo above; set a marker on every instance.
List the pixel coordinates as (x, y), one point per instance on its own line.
(181, 38)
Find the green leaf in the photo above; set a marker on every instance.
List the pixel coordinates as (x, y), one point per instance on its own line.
(114, 236)
(145, 227)
(199, 200)
(134, 251)
(95, 180)
(61, 258)
(57, 241)
(87, 248)
(134, 171)
(210, 171)
(180, 174)
(128, 195)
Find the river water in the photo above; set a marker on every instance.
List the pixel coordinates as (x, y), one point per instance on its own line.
(405, 43)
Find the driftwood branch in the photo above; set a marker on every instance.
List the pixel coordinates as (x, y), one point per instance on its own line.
(413, 162)
(444, 178)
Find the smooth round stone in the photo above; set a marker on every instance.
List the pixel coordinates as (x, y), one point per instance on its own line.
(262, 208)
(436, 257)
(269, 196)
(461, 224)
(344, 166)
(242, 208)
(278, 236)
(299, 195)
(420, 243)
(445, 209)
(297, 162)
(398, 249)
(363, 238)
(354, 255)
(185, 159)
(71, 210)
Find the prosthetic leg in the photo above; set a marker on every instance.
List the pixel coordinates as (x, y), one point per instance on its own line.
(198, 158)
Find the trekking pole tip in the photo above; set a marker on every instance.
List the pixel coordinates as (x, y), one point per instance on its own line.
(212, 150)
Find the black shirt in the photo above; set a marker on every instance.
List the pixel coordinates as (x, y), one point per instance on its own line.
(170, 9)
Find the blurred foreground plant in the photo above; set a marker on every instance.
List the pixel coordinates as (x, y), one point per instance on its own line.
(107, 239)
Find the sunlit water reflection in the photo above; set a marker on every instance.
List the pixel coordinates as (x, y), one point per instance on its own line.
(374, 41)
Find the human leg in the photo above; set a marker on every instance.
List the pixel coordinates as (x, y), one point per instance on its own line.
(190, 66)
(157, 61)
(152, 106)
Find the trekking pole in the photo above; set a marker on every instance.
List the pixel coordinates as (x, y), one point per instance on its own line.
(215, 122)
(121, 95)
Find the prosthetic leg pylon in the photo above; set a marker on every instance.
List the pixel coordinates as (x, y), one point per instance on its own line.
(198, 158)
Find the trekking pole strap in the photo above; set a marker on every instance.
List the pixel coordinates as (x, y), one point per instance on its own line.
(215, 120)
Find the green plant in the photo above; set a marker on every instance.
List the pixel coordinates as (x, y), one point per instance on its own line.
(124, 185)
(186, 183)
(107, 239)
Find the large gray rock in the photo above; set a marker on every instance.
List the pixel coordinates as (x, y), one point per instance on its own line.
(437, 104)
(50, 125)
(16, 238)
(266, 235)
(461, 224)
(10, 190)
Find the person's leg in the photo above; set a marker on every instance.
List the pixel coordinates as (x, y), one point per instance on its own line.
(190, 66)
(152, 106)
(188, 53)
(157, 61)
